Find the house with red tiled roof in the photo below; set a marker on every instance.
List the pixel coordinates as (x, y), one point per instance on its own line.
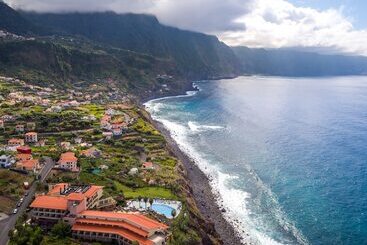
(15, 142)
(105, 122)
(148, 166)
(23, 157)
(68, 161)
(24, 149)
(31, 137)
(31, 165)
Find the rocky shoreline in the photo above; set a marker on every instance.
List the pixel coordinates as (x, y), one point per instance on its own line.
(202, 192)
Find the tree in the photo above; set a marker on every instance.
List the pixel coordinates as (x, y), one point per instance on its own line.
(139, 199)
(61, 230)
(145, 201)
(151, 200)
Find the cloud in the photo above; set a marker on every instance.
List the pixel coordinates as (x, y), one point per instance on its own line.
(253, 23)
(199, 15)
(281, 24)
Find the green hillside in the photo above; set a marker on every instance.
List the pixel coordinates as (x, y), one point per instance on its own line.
(196, 55)
(63, 62)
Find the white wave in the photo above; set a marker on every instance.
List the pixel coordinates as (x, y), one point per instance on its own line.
(188, 94)
(154, 107)
(233, 200)
(199, 128)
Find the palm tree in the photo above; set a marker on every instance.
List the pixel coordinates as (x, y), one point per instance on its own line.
(139, 199)
(151, 200)
(145, 201)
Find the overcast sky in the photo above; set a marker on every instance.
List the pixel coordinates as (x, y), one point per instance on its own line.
(328, 25)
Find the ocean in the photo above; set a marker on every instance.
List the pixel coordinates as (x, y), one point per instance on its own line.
(287, 157)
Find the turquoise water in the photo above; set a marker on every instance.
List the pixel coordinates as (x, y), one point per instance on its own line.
(286, 157)
(163, 209)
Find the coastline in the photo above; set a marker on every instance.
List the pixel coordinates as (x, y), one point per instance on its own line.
(202, 191)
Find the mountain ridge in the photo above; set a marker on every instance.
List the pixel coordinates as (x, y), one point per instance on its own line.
(197, 55)
(281, 62)
(135, 49)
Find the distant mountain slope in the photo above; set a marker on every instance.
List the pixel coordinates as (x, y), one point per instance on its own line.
(294, 63)
(12, 21)
(197, 55)
(64, 62)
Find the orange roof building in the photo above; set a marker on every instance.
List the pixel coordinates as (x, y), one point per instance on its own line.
(148, 165)
(31, 165)
(123, 228)
(64, 199)
(23, 156)
(68, 161)
(71, 203)
(15, 142)
(24, 149)
(31, 137)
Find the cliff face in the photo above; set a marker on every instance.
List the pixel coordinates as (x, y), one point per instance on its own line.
(63, 64)
(295, 63)
(197, 56)
(12, 21)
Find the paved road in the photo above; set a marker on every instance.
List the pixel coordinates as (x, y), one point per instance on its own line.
(7, 224)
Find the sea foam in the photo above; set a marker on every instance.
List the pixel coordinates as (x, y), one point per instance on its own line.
(233, 200)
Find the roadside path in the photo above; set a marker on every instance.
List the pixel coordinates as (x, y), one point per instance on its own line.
(7, 224)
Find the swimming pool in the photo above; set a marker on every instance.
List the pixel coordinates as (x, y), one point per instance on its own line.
(163, 209)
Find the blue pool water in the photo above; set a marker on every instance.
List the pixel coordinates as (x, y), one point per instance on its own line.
(163, 209)
(287, 157)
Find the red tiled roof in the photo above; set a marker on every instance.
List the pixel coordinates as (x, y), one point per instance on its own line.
(50, 202)
(138, 220)
(28, 164)
(113, 223)
(148, 165)
(56, 189)
(92, 190)
(24, 148)
(31, 133)
(68, 157)
(74, 196)
(14, 140)
(111, 230)
(23, 156)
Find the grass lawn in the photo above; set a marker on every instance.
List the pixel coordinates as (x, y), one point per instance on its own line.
(150, 192)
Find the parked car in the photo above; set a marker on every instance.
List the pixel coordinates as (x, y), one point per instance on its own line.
(18, 204)
(15, 211)
(26, 194)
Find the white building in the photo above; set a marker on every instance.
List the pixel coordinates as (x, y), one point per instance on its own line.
(6, 161)
(31, 137)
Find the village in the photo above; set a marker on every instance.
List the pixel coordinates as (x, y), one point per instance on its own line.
(78, 167)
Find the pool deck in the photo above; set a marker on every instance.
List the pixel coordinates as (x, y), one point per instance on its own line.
(142, 206)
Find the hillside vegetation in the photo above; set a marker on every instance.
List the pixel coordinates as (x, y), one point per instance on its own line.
(196, 55)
